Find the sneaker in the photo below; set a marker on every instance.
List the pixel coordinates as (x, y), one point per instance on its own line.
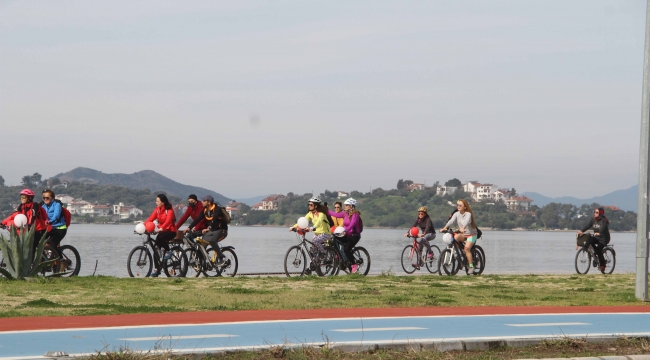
(354, 268)
(168, 255)
(307, 271)
(156, 273)
(471, 268)
(602, 268)
(430, 256)
(416, 266)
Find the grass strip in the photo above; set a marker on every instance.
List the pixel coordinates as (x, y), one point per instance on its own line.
(103, 295)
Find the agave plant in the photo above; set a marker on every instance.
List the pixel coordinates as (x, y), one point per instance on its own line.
(18, 254)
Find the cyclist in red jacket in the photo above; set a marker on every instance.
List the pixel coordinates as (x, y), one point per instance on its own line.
(164, 213)
(194, 210)
(36, 216)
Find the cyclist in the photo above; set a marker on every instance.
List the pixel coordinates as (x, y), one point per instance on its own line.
(36, 216)
(601, 237)
(318, 216)
(352, 224)
(427, 232)
(338, 209)
(164, 213)
(194, 210)
(464, 218)
(54, 210)
(215, 225)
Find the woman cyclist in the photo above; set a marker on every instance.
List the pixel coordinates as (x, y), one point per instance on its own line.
(600, 238)
(427, 232)
(212, 223)
(464, 218)
(164, 213)
(54, 212)
(352, 224)
(36, 216)
(318, 216)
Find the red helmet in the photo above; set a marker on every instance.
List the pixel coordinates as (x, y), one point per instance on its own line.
(27, 192)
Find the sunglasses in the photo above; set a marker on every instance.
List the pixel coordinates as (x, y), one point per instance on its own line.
(23, 196)
(337, 207)
(459, 204)
(47, 198)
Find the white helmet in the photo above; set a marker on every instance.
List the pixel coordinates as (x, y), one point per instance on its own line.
(315, 199)
(350, 202)
(448, 238)
(339, 231)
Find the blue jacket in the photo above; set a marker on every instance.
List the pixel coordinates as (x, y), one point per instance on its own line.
(54, 214)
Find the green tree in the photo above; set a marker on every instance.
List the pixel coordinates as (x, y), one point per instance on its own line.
(37, 179)
(53, 182)
(400, 184)
(27, 181)
(2, 181)
(453, 182)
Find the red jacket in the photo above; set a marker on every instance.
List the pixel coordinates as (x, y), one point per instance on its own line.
(38, 217)
(194, 213)
(165, 218)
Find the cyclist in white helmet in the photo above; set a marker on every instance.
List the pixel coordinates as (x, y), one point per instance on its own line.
(318, 216)
(353, 227)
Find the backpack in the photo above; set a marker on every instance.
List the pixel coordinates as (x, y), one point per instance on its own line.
(65, 213)
(226, 215)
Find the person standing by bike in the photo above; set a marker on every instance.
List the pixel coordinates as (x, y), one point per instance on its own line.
(216, 225)
(36, 216)
(194, 210)
(427, 232)
(464, 218)
(352, 224)
(164, 213)
(601, 237)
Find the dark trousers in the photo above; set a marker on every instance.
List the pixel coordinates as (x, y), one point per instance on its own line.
(38, 235)
(213, 237)
(55, 237)
(350, 242)
(162, 240)
(598, 248)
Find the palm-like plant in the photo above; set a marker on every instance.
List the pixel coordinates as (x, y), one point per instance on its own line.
(18, 254)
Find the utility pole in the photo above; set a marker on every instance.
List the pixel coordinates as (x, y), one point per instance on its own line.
(644, 182)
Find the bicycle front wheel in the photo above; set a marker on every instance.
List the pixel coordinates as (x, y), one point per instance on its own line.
(139, 263)
(362, 259)
(479, 263)
(295, 261)
(327, 262)
(176, 265)
(409, 257)
(433, 262)
(70, 261)
(229, 265)
(194, 263)
(583, 261)
(448, 262)
(610, 260)
(480, 249)
(210, 268)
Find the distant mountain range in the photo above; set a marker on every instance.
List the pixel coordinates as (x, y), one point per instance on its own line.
(145, 179)
(625, 199)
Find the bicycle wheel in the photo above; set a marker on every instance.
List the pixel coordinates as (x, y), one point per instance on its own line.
(194, 262)
(409, 257)
(295, 261)
(229, 265)
(139, 263)
(448, 262)
(610, 260)
(480, 249)
(326, 262)
(176, 265)
(362, 259)
(70, 260)
(49, 253)
(432, 263)
(210, 268)
(479, 263)
(583, 261)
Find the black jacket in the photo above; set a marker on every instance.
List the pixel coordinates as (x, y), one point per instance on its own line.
(601, 227)
(425, 224)
(214, 218)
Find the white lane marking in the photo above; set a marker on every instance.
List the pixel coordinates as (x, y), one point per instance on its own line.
(550, 324)
(379, 329)
(300, 320)
(181, 337)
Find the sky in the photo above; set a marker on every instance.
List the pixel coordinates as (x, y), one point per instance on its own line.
(252, 98)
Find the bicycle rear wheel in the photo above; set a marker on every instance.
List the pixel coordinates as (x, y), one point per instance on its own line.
(409, 257)
(139, 263)
(194, 262)
(70, 261)
(176, 265)
(229, 265)
(583, 261)
(295, 261)
(448, 262)
(610, 260)
(362, 259)
(433, 263)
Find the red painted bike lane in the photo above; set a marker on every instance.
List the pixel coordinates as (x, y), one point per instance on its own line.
(72, 322)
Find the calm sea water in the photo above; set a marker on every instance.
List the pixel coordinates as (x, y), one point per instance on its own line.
(262, 249)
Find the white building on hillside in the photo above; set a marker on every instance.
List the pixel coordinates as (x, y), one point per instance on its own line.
(485, 192)
(125, 211)
(501, 195)
(66, 199)
(74, 207)
(519, 203)
(442, 190)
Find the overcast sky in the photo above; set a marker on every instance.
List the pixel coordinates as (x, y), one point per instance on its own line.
(253, 98)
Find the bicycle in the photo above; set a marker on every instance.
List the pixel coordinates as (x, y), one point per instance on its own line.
(202, 258)
(296, 257)
(140, 264)
(585, 257)
(453, 257)
(335, 259)
(413, 253)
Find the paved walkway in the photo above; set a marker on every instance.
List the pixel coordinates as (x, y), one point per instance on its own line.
(350, 329)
